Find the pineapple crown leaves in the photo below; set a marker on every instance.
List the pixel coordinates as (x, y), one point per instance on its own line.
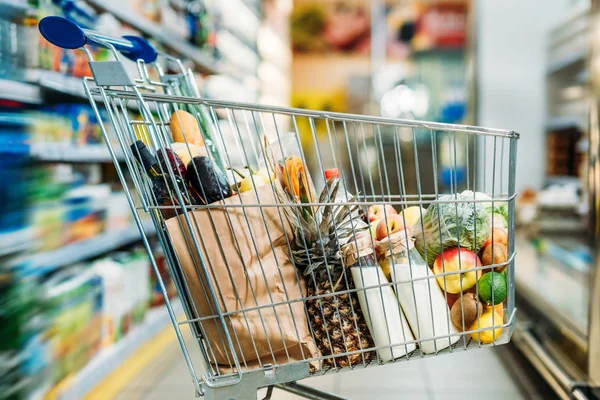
(319, 235)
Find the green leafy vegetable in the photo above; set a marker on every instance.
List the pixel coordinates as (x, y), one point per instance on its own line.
(497, 210)
(448, 225)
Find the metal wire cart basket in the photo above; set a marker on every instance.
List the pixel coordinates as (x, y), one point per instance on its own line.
(287, 271)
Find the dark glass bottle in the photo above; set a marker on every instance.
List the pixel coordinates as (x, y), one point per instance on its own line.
(163, 185)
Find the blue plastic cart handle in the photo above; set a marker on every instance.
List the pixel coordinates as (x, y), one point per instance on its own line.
(67, 34)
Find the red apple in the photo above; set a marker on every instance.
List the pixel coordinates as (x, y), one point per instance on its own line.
(373, 228)
(455, 260)
(379, 211)
(395, 223)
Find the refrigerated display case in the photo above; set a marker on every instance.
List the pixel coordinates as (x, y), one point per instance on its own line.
(558, 279)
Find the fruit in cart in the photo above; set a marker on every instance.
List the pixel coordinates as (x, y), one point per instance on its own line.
(493, 254)
(489, 319)
(492, 288)
(266, 174)
(412, 215)
(456, 260)
(497, 235)
(185, 129)
(373, 228)
(168, 159)
(499, 309)
(393, 224)
(451, 298)
(337, 321)
(252, 181)
(188, 151)
(379, 211)
(466, 308)
(451, 221)
(207, 181)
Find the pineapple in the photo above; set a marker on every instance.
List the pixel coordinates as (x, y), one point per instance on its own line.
(337, 321)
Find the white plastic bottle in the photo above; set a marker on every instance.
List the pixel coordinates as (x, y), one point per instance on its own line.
(420, 297)
(387, 325)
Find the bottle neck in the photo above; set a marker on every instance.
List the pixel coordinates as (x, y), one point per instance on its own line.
(366, 261)
(154, 171)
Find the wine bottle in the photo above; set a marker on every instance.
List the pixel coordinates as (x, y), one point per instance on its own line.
(164, 188)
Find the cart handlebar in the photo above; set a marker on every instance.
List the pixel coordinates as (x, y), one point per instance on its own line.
(66, 34)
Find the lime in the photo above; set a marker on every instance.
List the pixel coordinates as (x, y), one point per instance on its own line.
(492, 283)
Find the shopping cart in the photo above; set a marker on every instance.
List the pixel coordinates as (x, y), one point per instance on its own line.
(280, 281)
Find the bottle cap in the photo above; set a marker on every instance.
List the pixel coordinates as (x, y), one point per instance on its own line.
(143, 155)
(357, 247)
(395, 243)
(332, 173)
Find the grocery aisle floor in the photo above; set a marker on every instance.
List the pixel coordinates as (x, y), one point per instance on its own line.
(476, 374)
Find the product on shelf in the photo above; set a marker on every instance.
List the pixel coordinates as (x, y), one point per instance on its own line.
(85, 211)
(67, 124)
(156, 297)
(72, 303)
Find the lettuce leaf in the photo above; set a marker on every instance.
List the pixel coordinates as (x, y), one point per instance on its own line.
(448, 225)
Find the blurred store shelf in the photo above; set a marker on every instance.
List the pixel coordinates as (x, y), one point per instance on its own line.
(20, 91)
(10, 9)
(566, 61)
(56, 81)
(85, 249)
(110, 358)
(71, 86)
(122, 12)
(14, 242)
(561, 123)
(61, 152)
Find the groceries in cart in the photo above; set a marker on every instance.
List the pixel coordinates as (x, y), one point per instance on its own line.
(358, 283)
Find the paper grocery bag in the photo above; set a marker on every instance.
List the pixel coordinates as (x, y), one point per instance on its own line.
(245, 251)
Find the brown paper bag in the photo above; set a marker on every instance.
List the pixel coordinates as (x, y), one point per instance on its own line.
(246, 254)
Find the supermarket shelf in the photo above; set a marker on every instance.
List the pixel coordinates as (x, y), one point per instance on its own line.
(19, 91)
(15, 242)
(57, 82)
(566, 61)
(10, 9)
(85, 249)
(60, 152)
(124, 13)
(110, 358)
(561, 123)
(65, 84)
